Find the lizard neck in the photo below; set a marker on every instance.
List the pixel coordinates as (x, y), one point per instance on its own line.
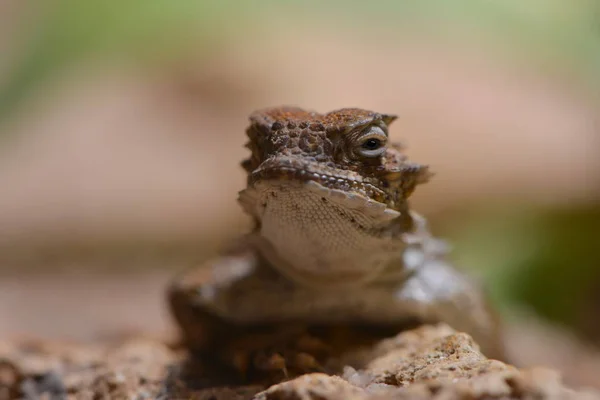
(317, 243)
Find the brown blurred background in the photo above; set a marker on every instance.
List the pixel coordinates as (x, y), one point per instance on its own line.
(122, 126)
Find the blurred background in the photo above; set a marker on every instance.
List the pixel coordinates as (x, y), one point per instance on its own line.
(122, 128)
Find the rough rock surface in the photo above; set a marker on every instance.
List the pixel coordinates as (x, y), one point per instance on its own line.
(430, 362)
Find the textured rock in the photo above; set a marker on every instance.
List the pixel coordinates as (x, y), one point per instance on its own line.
(430, 362)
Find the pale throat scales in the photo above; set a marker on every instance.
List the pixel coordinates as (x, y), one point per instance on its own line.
(314, 238)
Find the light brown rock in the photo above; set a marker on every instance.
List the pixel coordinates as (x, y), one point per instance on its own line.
(431, 362)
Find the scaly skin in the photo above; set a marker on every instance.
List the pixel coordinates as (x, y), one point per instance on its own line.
(334, 240)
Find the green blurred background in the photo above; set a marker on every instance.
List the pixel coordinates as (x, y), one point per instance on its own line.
(121, 132)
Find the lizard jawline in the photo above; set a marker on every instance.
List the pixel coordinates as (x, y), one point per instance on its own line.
(249, 199)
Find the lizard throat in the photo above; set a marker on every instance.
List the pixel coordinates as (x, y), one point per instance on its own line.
(319, 235)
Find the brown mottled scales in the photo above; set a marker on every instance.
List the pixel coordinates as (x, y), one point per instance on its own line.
(334, 245)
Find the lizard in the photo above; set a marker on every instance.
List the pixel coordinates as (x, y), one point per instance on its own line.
(334, 239)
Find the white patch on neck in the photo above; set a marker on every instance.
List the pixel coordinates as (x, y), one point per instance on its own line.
(313, 236)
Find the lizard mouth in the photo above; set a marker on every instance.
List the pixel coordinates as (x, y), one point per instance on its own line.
(288, 169)
(346, 188)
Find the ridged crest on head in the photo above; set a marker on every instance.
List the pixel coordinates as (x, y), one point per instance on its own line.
(277, 118)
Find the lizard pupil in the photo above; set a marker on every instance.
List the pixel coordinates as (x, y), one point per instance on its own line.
(372, 144)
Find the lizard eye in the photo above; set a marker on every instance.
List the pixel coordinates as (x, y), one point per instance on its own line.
(372, 142)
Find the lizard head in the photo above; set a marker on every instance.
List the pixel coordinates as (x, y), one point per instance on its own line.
(345, 151)
(339, 165)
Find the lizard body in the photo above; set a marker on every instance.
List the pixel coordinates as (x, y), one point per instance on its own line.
(334, 239)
